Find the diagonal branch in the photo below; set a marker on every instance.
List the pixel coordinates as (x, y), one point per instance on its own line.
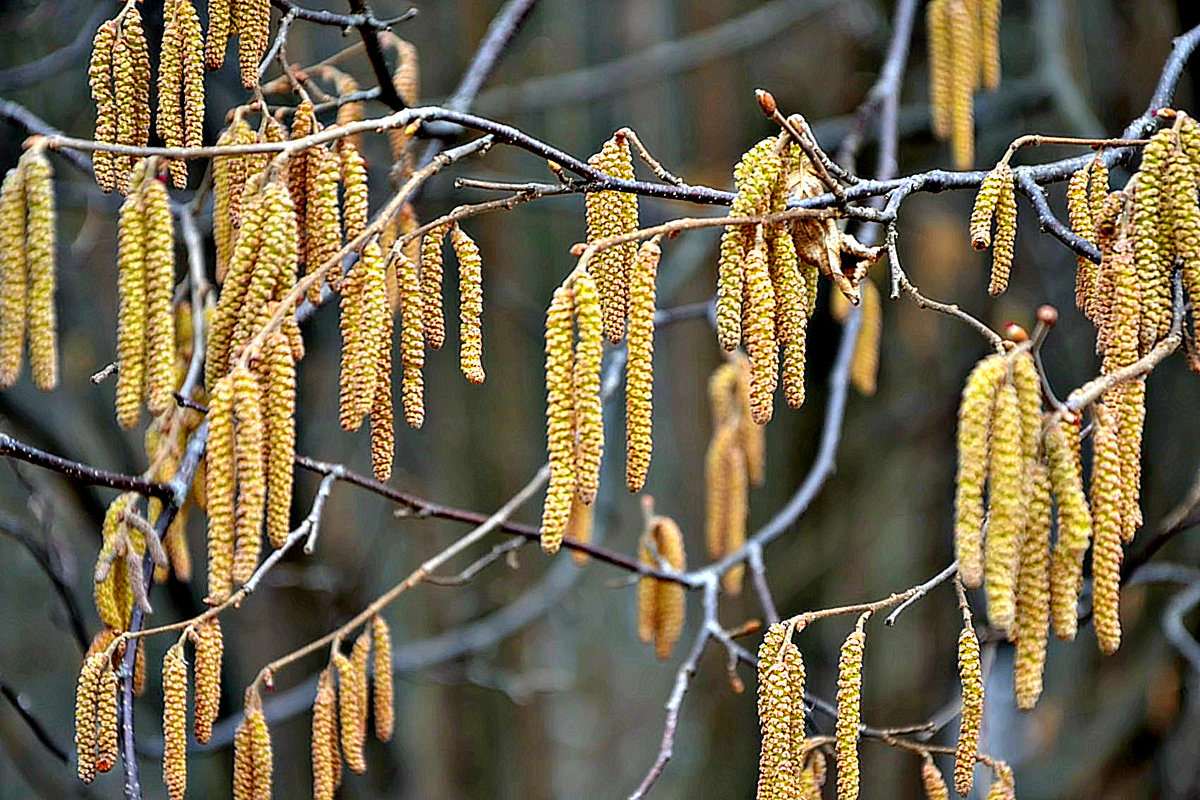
(89, 476)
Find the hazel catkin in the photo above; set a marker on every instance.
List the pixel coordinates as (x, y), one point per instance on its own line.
(589, 418)
(174, 681)
(560, 418)
(14, 276)
(382, 691)
(1006, 513)
(160, 287)
(1032, 620)
(758, 331)
(470, 288)
(970, 672)
(671, 598)
(85, 716)
(412, 312)
(611, 213)
(1006, 233)
(974, 426)
(220, 487)
(849, 699)
(132, 309)
(1106, 510)
(251, 477)
(106, 721)
(210, 646)
(279, 411)
(348, 713)
(100, 80)
(433, 318)
(639, 366)
(1074, 523)
(324, 737)
(41, 255)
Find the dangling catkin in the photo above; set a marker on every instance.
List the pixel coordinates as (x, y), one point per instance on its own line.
(253, 20)
(101, 81)
(609, 214)
(864, 365)
(243, 761)
(589, 419)
(1106, 511)
(671, 598)
(985, 206)
(560, 418)
(383, 423)
(933, 782)
(647, 593)
(41, 254)
(160, 287)
(134, 102)
(1074, 523)
(364, 306)
(974, 424)
(412, 350)
(260, 748)
(219, 14)
(229, 183)
(1006, 514)
(639, 367)
(324, 737)
(776, 771)
(360, 655)
(251, 475)
(849, 699)
(1006, 233)
(579, 527)
(717, 481)
(470, 305)
(383, 692)
(210, 647)
(348, 713)
(322, 219)
(759, 333)
(937, 25)
(434, 321)
(1032, 622)
(735, 537)
(106, 722)
(355, 200)
(132, 309)
(1151, 244)
(280, 412)
(174, 681)
(970, 672)
(86, 700)
(219, 472)
(14, 276)
(964, 78)
(1083, 223)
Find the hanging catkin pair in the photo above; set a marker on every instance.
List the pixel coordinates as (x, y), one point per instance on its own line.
(609, 214)
(250, 21)
(781, 772)
(996, 200)
(28, 271)
(964, 56)
(119, 73)
(95, 716)
(735, 459)
(252, 758)
(180, 120)
(661, 604)
(145, 286)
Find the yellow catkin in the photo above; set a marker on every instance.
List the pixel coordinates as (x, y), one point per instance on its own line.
(560, 418)
(647, 594)
(348, 713)
(933, 782)
(776, 773)
(589, 417)
(132, 309)
(639, 366)
(360, 656)
(1106, 510)
(219, 473)
(101, 82)
(1131, 417)
(759, 334)
(470, 305)
(579, 527)
(219, 13)
(364, 306)
(210, 647)
(717, 463)
(985, 207)
(1006, 233)
(86, 701)
(412, 349)
(354, 182)
(324, 737)
(175, 681)
(1032, 622)
(260, 748)
(193, 75)
(275, 267)
(864, 366)
(229, 182)
(106, 722)
(849, 700)
(136, 104)
(1151, 240)
(253, 19)
(243, 762)
(739, 509)
(169, 120)
(753, 436)
(14, 276)
(671, 598)
(964, 74)
(970, 673)
(160, 288)
(1006, 513)
(612, 214)
(937, 26)
(382, 691)
(383, 423)
(251, 477)
(322, 217)
(1083, 223)
(280, 412)
(434, 320)
(974, 425)
(1074, 523)
(730, 285)
(41, 254)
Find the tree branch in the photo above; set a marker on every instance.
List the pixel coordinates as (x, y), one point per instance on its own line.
(89, 476)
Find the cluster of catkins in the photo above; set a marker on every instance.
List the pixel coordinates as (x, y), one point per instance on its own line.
(180, 120)
(736, 459)
(661, 604)
(341, 707)
(119, 73)
(28, 271)
(611, 294)
(791, 766)
(964, 55)
(250, 21)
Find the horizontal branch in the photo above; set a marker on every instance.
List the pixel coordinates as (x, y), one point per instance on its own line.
(89, 476)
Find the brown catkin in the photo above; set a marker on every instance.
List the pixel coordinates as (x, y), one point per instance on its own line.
(355, 201)
(937, 26)
(589, 418)
(253, 20)
(470, 305)
(106, 722)
(348, 713)
(132, 312)
(219, 14)
(219, 473)
(412, 351)
(251, 476)
(1006, 233)
(14, 276)
(382, 690)
(86, 700)
(758, 332)
(933, 782)
(280, 412)
(970, 673)
(100, 80)
(974, 425)
(1032, 622)
(1107, 500)
(175, 681)
(160, 288)
(560, 418)
(324, 737)
(1006, 513)
(613, 214)
(243, 762)
(434, 320)
(579, 527)
(671, 598)
(1074, 523)
(849, 700)
(639, 367)
(41, 254)
(210, 647)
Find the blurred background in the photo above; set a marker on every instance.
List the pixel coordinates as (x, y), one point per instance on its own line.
(529, 682)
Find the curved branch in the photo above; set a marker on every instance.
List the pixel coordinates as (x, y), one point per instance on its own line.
(89, 476)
